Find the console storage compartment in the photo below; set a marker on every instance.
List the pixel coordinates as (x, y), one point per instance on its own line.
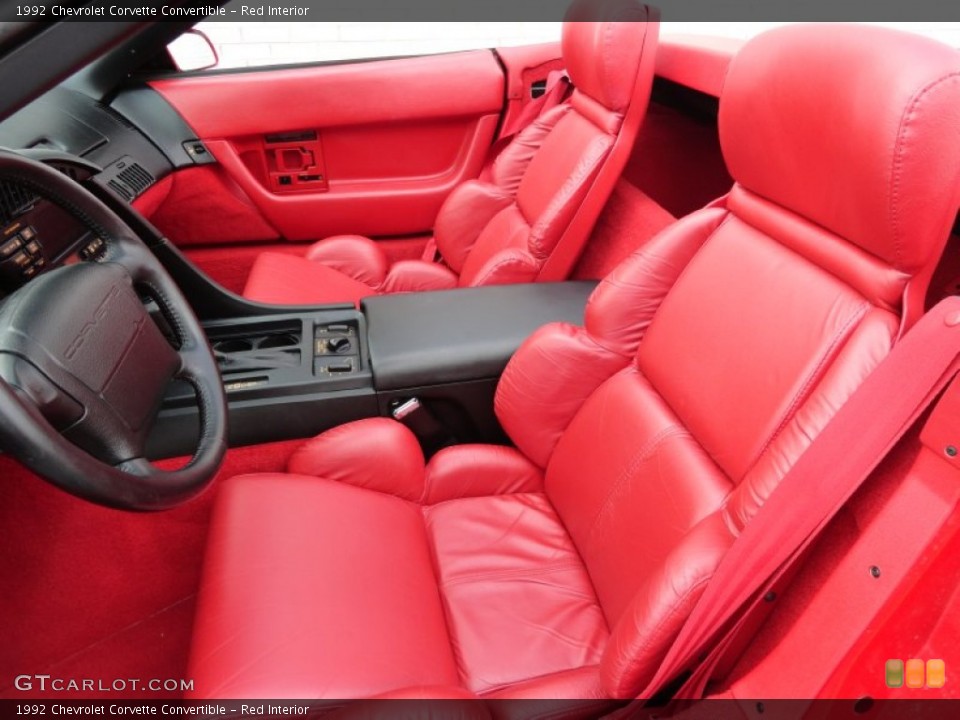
(448, 348)
(286, 376)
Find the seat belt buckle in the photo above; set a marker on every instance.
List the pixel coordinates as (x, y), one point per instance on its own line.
(941, 432)
(412, 413)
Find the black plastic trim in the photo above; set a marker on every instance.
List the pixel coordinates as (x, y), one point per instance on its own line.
(422, 339)
(158, 121)
(285, 402)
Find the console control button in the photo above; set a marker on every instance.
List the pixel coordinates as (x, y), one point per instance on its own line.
(336, 366)
(338, 344)
(21, 259)
(28, 233)
(92, 249)
(10, 246)
(341, 328)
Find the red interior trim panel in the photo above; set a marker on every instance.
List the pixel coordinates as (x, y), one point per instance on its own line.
(371, 147)
(278, 100)
(698, 61)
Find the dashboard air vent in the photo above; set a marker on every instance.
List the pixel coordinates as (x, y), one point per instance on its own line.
(130, 181)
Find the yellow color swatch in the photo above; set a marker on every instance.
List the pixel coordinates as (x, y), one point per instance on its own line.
(936, 673)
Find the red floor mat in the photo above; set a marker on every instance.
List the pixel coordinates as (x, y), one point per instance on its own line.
(629, 219)
(97, 593)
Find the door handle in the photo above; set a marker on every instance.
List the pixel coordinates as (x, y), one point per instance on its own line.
(294, 159)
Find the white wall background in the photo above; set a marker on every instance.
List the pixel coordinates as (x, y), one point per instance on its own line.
(249, 44)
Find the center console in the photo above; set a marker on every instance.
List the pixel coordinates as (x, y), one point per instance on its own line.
(441, 354)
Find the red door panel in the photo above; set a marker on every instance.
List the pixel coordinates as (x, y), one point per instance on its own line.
(371, 147)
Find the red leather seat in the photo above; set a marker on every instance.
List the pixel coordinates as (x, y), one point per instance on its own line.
(644, 441)
(530, 220)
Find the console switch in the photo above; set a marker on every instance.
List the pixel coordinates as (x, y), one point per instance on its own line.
(10, 246)
(335, 366)
(92, 249)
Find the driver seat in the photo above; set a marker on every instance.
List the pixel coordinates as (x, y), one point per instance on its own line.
(564, 566)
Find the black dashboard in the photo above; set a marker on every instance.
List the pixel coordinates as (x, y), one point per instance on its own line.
(36, 234)
(117, 150)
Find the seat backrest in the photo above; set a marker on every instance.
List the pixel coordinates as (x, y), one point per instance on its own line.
(550, 183)
(713, 357)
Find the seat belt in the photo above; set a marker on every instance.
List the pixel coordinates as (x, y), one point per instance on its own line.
(835, 465)
(555, 92)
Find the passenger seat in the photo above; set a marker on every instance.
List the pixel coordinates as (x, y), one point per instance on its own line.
(547, 187)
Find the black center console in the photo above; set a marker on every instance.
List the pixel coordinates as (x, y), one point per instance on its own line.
(294, 375)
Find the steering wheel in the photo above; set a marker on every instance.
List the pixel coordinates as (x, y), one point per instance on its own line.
(84, 368)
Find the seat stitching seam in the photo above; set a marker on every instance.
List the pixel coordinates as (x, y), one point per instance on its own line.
(521, 261)
(897, 168)
(683, 271)
(842, 333)
(444, 604)
(504, 686)
(642, 455)
(507, 574)
(632, 664)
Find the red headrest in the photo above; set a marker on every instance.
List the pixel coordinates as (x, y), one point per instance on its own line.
(856, 128)
(602, 44)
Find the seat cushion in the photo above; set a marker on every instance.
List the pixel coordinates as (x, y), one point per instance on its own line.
(307, 582)
(519, 602)
(369, 593)
(293, 280)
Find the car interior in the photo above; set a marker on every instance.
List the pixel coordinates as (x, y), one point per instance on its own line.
(481, 376)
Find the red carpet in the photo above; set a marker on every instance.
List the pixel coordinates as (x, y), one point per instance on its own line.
(99, 593)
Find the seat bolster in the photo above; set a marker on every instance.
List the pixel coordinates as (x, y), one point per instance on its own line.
(463, 215)
(512, 163)
(506, 267)
(354, 453)
(356, 256)
(621, 308)
(546, 382)
(556, 217)
(293, 280)
(418, 276)
(465, 471)
(643, 634)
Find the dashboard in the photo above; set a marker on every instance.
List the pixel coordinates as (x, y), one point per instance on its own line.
(36, 234)
(117, 150)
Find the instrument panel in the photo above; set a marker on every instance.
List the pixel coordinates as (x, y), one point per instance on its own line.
(36, 234)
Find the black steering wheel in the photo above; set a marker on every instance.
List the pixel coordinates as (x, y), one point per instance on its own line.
(84, 368)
